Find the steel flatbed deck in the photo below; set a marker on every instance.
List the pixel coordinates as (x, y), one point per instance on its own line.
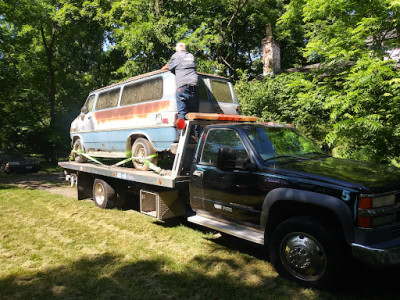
(128, 174)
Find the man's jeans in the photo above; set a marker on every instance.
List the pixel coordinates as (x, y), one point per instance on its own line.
(188, 101)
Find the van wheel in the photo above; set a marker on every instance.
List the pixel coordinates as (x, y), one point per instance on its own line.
(308, 251)
(143, 148)
(103, 194)
(79, 148)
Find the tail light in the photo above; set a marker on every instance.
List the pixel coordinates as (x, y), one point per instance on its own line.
(180, 124)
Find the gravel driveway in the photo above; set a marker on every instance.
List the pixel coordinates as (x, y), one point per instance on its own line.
(52, 182)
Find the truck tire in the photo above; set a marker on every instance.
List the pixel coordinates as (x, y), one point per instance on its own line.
(78, 147)
(103, 194)
(309, 252)
(142, 148)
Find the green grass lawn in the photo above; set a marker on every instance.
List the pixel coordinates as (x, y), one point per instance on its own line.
(53, 246)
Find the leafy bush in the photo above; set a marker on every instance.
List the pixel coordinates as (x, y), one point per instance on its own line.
(355, 110)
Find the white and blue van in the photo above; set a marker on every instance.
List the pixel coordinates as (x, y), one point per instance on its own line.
(137, 117)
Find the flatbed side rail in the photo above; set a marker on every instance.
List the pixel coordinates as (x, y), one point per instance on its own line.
(128, 174)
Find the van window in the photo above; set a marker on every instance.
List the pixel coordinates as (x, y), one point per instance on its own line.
(142, 91)
(221, 91)
(203, 90)
(107, 99)
(90, 103)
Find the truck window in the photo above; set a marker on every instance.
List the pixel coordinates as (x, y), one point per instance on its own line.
(217, 138)
(221, 91)
(90, 103)
(142, 91)
(108, 99)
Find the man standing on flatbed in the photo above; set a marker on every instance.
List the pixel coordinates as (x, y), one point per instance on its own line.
(183, 65)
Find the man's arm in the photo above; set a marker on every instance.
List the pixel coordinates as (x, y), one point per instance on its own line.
(165, 68)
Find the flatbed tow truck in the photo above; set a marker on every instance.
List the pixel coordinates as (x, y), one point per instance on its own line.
(268, 184)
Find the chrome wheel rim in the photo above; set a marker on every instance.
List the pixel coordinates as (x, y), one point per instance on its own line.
(140, 151)
(303, 256)
(99, 194)
(77, 148)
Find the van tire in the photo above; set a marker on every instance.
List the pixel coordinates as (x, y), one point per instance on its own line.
(78, 147)
(143, 148)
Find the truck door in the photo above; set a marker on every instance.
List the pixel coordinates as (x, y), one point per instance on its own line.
(230, 194)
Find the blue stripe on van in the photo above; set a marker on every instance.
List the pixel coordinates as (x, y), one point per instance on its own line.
(115, 140)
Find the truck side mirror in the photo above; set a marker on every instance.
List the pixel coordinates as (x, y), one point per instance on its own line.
(226, 159)
(84, 110)
(249, 166)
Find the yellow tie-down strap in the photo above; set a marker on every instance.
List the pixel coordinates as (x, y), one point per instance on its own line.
(142, 160)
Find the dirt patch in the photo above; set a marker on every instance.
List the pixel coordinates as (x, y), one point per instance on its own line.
(52, 182)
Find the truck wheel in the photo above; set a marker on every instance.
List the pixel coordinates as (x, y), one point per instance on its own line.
(78, 147)
(103, 194)
(307, 251)
(142, 148)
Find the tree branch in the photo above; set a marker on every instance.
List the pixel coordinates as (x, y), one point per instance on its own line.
(226, 63)
(238, 9)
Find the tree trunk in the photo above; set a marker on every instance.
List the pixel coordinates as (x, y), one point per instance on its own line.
(52, 86)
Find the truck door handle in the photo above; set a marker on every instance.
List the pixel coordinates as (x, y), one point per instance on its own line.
(198, 173)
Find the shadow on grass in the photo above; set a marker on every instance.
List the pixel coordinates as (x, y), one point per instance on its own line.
(108, 277)
(98, 278)
(34, 181)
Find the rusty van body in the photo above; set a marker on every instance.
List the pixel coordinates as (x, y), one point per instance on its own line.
(144, 107)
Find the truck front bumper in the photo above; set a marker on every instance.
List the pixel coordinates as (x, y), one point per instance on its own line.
(378, 255)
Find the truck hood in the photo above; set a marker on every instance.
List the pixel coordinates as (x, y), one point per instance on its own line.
(372, 178)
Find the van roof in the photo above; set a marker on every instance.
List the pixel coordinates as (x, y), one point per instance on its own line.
(148, 75)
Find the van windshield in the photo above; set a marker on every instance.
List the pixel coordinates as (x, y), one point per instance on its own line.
(221, 91)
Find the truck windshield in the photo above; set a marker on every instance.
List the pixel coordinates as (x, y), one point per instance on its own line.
(281, 142)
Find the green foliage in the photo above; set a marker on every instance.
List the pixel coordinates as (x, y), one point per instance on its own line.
(357, 112)
(224, 35)
(287, 98)
(351, 99)
(51, 56)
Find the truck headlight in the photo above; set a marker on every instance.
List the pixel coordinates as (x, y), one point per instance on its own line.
(383, 201)
(376, 210)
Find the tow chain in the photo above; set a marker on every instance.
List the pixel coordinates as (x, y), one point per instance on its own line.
(142, 160)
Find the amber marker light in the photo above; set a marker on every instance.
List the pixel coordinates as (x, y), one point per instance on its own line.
(364, 203)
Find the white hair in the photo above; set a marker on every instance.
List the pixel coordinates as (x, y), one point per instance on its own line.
(180, 47)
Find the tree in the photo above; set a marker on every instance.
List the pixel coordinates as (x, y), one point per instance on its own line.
(352, 99)
(52, 55)
(224, 35)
